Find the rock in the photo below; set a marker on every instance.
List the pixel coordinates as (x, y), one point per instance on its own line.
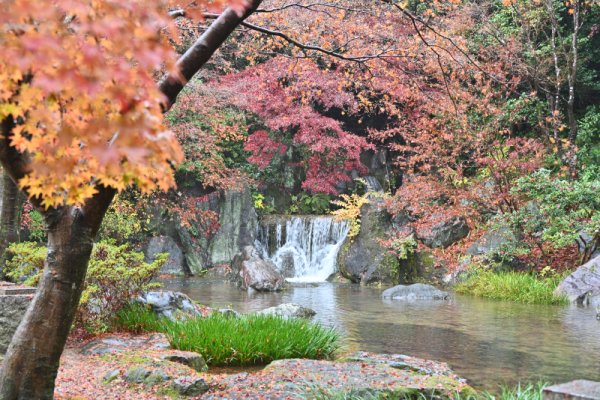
(166, 244)
(363, 260)
(491, 241)
(445, 233)
(576, 390)
(253, 272)
(12, 310)
(172, 305)
(417, 291)
(111, 376)
(583, 285)
(368, 378)
(190, 386)
(191, 359)
(289, 310)
(136, 375)
(157, 376)
(238, 224)
(121, 344)
(228, 312)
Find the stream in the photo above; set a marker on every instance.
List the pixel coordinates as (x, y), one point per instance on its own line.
(487, 342)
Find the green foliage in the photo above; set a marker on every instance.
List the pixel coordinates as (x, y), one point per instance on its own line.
(529, 391)
(25, 262)
(115, 276)
(123, 222)
(402, 247)
(513, 286)
(260, 206)
(588, 138)
(562, 208)
(305, 203)
(245, 340)
(37, 226)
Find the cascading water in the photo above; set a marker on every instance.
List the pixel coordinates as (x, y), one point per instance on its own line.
(304, 248)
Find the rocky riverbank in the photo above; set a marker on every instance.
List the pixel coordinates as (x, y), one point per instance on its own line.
(144, 367)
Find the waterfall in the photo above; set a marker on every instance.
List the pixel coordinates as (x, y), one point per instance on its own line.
(304, 248)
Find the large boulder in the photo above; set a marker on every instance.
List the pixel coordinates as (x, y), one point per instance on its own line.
(445, 233)
(288, 310)
(238, 224)
(166, 244)
(172, 305)
(12, 310)
(363, 259)
(251, 271)
(417, 291)
(583, 285)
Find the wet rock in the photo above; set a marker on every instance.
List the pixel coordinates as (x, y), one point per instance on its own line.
(173, 305)
(445, 233)
(111, 376)
(417, 291)
(238, 224)
(363, 260)
(190, 386)
(166, 244)
(136, 375)
(191, 359)
(251, 271)
(401, 361)
(289, 310)
(491, 241)
(583, 286)
(576, 390)
(12, 310)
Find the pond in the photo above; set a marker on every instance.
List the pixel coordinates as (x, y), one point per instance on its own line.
(487, 342)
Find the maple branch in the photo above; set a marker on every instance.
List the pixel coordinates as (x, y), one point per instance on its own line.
(307, 47)
(311, 7)
(201, 51)
(414, 19)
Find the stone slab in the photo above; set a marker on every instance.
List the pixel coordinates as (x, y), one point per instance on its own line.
(574, 390)
(12, 310)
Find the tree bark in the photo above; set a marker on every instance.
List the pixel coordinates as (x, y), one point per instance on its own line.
(9, 224)
(32, 359)
(31, 363)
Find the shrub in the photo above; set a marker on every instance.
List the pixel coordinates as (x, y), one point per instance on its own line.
(123, 222)
(245, 340)
(25, 262)
(514, 286)
(115, 275)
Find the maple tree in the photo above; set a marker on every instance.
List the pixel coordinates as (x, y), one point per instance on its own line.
(81, 118)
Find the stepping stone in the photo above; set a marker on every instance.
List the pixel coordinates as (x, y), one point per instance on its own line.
(574, 390)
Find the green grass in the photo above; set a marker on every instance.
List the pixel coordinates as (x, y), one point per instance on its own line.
(514, 286)
(247, 340)
(530, 391)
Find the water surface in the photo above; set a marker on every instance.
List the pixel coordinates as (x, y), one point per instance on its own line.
(487, 342)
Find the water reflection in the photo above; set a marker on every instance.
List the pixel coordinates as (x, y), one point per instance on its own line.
(486, 342)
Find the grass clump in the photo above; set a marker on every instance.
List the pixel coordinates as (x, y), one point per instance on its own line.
(245, 340)
(514, 286)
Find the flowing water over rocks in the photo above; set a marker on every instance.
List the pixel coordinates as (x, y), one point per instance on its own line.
(304, 248)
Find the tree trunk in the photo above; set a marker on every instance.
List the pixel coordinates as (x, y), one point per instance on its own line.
(9, 224)
(32, 359)
(31, 363)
